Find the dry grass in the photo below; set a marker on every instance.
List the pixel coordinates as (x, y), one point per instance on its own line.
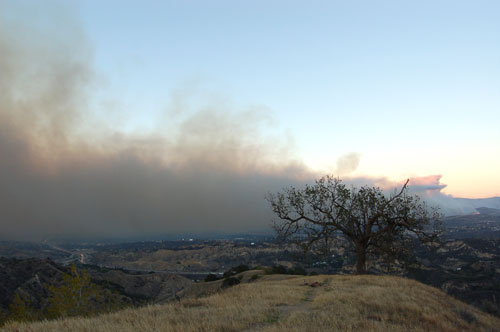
(234, 309)
(281, 303)
(370, 303)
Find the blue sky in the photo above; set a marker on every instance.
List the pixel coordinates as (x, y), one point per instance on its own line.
(412, 87)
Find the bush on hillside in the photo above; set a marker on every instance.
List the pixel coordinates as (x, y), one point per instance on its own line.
(235, 270)
(280, 269)
(76, 295)
(231, 281)
(297, 270)
(211, 277)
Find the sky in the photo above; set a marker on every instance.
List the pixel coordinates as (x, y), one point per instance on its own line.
(413, 87)
(152, 116)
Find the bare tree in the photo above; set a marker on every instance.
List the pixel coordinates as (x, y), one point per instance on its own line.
(374, 223)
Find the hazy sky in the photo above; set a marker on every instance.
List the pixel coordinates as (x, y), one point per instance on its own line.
(204, 99)
(412, 86)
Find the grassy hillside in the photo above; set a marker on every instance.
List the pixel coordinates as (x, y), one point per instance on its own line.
(290, 303)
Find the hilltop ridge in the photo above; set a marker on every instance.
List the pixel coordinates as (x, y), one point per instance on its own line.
(295, 303)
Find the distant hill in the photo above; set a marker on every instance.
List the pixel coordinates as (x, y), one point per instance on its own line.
(156, 287)
(488, 211)
(454, 206)
(295, 303)
(474, 203)
(17, 249)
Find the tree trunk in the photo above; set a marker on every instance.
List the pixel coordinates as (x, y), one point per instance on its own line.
(360, 259)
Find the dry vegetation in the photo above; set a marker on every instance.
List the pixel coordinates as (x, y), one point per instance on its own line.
(193, 258)
(284, 303)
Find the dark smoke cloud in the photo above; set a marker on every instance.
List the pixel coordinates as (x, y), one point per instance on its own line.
(62, 172)
(59, 175)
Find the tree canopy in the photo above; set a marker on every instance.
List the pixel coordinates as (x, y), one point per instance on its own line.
(375, 223)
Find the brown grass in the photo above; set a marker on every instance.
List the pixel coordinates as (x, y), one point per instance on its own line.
(370, 303)
(281, 303)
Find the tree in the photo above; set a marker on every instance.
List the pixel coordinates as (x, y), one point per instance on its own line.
(78, 296)
(374, 223)
(21, 309)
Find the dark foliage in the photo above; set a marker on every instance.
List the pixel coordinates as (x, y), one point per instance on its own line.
(298, 270)
(235, 270)
(280, 269)
(254, 277)
(211, 277)
(231, 281)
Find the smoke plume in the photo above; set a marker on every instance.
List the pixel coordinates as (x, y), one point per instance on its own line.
(208, 167)
(347, 164)
(62, 172)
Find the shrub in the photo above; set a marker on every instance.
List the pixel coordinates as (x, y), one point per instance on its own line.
(231, 281)
(21, 309)
(235, 270)
(211, 277)
(298, 270)
(78, 296)
(279, 269)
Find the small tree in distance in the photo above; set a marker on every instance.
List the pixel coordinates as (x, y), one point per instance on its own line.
(374, 223)
(77, 295)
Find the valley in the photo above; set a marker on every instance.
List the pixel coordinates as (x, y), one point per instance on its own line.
(466, 266)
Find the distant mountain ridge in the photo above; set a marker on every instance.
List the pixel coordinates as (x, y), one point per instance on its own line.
(489, 211)
(456, 206)
(491, 202)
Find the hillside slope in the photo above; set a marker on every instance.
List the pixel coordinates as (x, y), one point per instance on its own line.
(284, 303)
(31, 279)
(27, 277)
